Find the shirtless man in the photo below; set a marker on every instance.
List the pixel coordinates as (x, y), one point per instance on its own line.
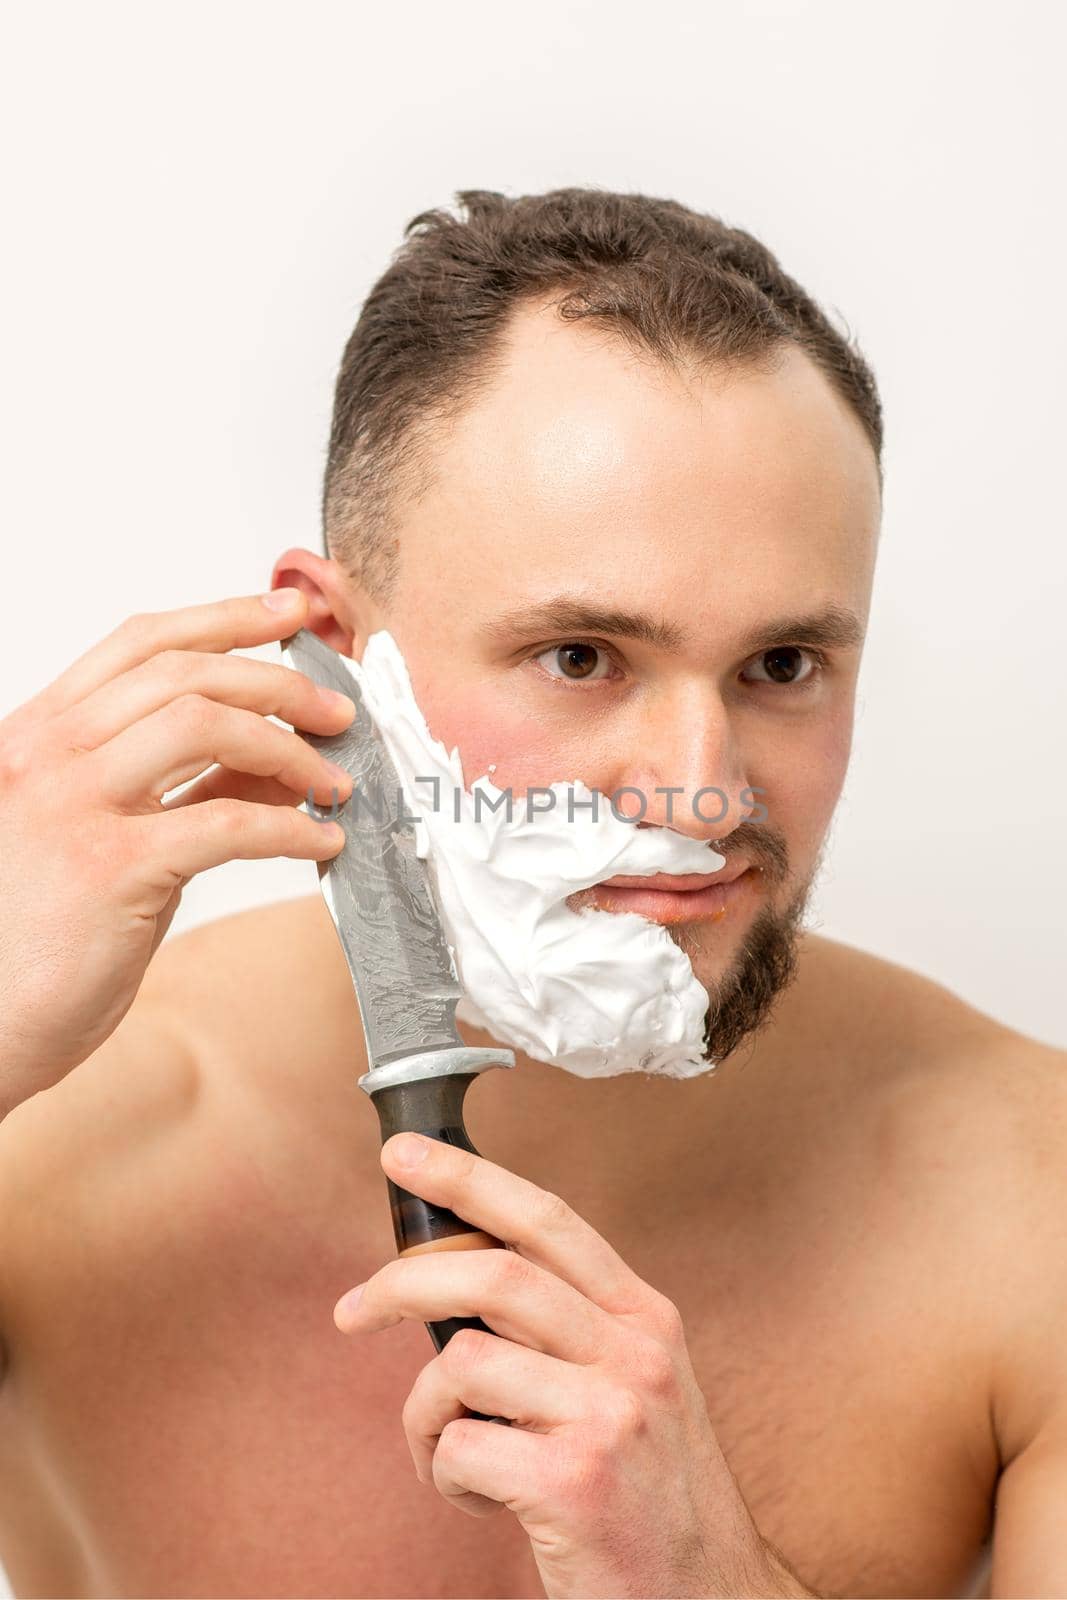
(792, 1326)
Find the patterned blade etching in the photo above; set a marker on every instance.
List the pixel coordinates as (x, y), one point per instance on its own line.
(378, 891)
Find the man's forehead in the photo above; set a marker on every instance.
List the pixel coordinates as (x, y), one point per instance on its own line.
(571, 423)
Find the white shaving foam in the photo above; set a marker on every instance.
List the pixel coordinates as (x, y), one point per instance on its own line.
(595, 992)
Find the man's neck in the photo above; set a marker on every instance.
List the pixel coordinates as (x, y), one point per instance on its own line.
(622, 1145)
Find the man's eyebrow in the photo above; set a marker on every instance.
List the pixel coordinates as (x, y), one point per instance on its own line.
(833, 626)
(565, 614)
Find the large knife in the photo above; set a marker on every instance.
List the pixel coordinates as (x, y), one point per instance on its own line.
(383, 904)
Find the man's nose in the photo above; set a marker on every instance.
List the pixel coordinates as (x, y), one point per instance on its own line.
(685, 769)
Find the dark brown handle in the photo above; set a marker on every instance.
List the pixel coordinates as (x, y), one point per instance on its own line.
(434, 1107)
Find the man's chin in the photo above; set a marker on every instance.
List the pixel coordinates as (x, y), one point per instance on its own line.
(743, 997)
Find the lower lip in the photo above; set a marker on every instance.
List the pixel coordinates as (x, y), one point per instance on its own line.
(675, 905)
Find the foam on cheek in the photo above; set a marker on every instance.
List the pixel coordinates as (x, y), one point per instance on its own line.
(594, 992)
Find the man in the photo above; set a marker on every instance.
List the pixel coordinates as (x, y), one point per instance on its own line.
(791, 1326)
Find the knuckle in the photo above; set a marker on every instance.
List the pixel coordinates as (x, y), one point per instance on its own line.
(468, 1165)
(17, 757)
(177, 666)
(136, 629)
(229, 814)
(450, 1441)
(193, 710)
(461, 1160)
(551, 1210)
(666, 1320)
(620, 1417)
(467, 1349)
(510, 1270)
(653, 1365)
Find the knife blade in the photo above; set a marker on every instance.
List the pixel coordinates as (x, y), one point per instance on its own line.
(379, 893)
(382, 901)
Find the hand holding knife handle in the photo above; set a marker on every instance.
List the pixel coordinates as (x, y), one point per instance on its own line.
(424, 1094)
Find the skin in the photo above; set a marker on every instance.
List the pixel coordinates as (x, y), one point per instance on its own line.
(785, 1328)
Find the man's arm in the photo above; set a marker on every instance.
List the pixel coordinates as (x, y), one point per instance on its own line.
(143, 1075)
(1030, 1389)
(1030, 1535)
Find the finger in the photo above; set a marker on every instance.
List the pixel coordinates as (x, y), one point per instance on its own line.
(538, 1224)
(197, 838)
(262, 686)
(478, 1462)
(183, 737)
(242, 621)
(483, 1372)
(514, 1296)
(221, 783)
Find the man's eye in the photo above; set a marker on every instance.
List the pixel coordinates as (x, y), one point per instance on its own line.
(575, 662)
(782, 666)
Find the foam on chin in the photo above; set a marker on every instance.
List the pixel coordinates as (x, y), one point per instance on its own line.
(595, 992)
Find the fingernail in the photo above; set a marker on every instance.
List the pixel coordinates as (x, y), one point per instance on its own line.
(347, 1304)
(409, 1149)
(280, 599)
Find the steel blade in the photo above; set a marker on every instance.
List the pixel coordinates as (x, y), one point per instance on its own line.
(379, 894)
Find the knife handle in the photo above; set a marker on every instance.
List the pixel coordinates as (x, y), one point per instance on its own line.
(432, 1106)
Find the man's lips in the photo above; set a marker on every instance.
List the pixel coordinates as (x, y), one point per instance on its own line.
(668, 897)
(680, 881)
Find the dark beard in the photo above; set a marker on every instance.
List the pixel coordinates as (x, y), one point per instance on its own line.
(766, 964)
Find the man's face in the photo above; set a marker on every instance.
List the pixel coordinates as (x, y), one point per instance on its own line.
(722, 508)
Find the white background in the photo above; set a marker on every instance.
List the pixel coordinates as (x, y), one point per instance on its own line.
(198, 198)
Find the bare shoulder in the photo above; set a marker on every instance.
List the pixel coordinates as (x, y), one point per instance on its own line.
(243, 987)
(912, 1040)
(970, 1127)
(259, 985)
(845, 987)
(234, 1008)
(898, 1031)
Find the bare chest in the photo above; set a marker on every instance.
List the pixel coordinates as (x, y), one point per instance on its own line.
(194, 1424)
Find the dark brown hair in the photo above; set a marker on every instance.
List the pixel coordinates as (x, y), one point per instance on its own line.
(673, 283)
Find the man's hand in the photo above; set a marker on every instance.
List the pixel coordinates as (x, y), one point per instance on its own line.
(95, 859)
(611, 1465)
